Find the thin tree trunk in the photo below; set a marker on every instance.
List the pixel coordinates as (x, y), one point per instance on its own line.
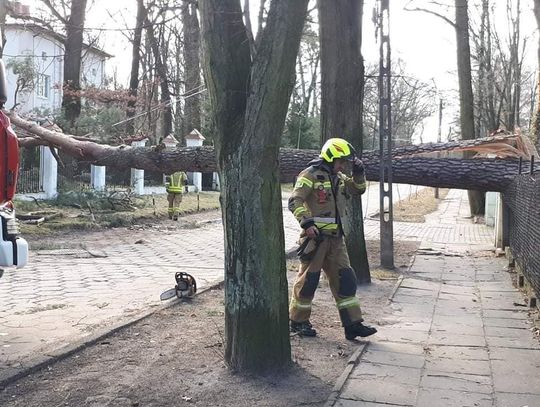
(71, 101)
(161, 70)
(342, 90)
(135, 65)
(192, 106)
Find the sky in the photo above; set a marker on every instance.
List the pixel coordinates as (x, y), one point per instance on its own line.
(423, 41)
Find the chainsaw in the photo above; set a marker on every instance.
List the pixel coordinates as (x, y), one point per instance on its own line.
(185, 287)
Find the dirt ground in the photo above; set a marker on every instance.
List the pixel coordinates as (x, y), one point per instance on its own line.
(175, 356)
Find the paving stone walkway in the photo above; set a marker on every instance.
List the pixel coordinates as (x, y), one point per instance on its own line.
(459, 335)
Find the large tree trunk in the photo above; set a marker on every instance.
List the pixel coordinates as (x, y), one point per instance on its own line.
(466, 104)
(192, 109)
(342, 90)
(249, 108)
(71, 101)
(135, 65)
(535, 127)
(409, 168)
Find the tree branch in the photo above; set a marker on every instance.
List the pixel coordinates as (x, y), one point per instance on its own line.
(433, 13)
(55, 12)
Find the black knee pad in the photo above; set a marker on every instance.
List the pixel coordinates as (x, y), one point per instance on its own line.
(347, 282)
(310, 285)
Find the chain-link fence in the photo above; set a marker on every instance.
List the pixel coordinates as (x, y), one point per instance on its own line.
(523, 201)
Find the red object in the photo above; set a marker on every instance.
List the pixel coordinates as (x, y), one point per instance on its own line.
(9, 159)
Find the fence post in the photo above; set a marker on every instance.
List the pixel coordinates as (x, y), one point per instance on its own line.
(137, 176)
(97, 177)
(195, 139)
(48, 172)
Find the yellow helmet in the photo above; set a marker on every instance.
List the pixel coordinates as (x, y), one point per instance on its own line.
(336, 148)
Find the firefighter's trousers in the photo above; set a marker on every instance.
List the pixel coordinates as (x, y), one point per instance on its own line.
(331, 256)
(174, 204)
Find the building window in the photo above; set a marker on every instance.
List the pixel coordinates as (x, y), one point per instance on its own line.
(43, 85)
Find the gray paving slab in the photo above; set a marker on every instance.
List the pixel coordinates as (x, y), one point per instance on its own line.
(379, 391)
(458, 352)
(395, 374)
(444, 380)
(459, 365)
(394, 358)
(452, 398)
(516, 399)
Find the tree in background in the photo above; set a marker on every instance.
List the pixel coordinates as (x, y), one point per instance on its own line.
(413, 101)
(249, 111)
(502, 91)
(73, 23)
(302, 128)
(192, 72)
(535, 127)
(140, 18)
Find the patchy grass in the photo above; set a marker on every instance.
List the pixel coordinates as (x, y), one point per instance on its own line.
(91, 211)
(415, 206)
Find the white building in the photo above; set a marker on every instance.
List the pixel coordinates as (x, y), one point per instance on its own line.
(29, 41)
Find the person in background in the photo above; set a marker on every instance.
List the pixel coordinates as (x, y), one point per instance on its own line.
(318, 203)
(175, 185)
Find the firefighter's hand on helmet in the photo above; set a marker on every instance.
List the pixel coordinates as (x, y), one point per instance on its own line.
(312, 232)
(358, 166)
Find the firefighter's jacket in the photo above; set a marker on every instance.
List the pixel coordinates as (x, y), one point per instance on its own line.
(319, 197)
(177, 182)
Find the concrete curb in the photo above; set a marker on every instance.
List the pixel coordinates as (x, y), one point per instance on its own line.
(340, 382)
(400, 280)
(11, 375)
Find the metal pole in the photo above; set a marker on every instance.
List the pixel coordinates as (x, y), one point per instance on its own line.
(439, 139)
(385, 139)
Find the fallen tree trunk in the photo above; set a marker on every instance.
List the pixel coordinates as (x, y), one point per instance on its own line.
(486, 174)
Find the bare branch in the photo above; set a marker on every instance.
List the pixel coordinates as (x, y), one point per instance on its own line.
(433, 13)
(55, 12)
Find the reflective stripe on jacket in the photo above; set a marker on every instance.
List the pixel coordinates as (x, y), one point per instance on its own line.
(319, 197)
(176, 182)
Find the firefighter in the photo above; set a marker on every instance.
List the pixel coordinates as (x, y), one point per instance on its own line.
(318, 203)
(175, 187)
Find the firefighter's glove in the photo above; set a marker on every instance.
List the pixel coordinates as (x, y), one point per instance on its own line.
(358, 167)
(312, 232)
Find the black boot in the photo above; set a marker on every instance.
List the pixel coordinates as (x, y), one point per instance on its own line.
(358, 329)
(303, 328)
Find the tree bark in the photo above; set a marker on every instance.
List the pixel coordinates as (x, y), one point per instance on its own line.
(161, 70)
(192, 44)
(71, 101)
(342, 90)
(249, 107)
(135, 65)
(409, 168)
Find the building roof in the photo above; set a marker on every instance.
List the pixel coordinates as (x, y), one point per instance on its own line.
(195, 135)
(170, 140)
(45, 32)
